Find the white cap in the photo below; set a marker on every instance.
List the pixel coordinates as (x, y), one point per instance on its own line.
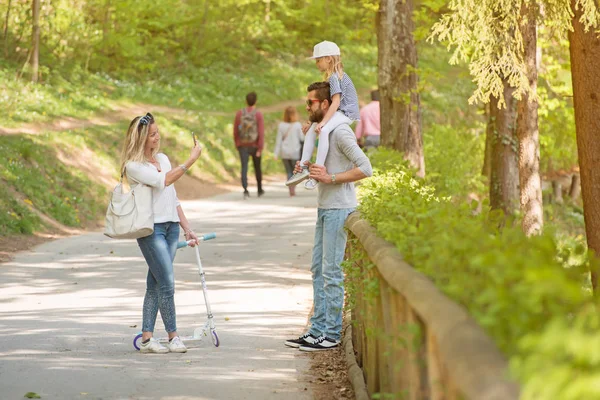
(325, 48)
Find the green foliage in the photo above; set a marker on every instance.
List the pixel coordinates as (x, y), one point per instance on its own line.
(143, 37)
(561, 362)
(450, 171)
(514, 286)
(558, 145)
(487, 34)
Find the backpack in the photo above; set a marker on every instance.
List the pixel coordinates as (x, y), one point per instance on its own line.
(248, 127)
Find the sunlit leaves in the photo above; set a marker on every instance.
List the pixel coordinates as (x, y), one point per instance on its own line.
(487, 34)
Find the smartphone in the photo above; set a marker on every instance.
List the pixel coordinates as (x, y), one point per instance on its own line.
(195, 138)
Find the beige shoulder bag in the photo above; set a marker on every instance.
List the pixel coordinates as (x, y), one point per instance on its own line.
(129, 215)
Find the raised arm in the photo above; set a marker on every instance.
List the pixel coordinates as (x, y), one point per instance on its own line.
(151, 177)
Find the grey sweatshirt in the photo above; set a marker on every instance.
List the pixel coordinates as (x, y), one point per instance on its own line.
(344, 155)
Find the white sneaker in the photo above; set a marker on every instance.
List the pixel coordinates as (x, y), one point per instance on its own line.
(153, 346)
(297, 178)
(176, 345)
(311, 184)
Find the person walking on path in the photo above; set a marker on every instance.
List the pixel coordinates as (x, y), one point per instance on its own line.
(249, 138)
(345, 164)
(368, 129)
(343, 109)
(143, 164)
(288, 144)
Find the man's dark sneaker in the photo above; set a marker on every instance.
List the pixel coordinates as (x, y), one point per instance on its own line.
(246, 194)
(307, 338)
(261, 192)
(322, 343)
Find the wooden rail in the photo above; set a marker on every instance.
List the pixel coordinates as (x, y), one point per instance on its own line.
(413, 342)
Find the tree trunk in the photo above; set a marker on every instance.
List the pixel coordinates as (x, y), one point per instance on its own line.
(557, 192)
(486, 170)
(585, 59)
(267, 10)
(504, 177)
(6, 29)
(400, 102)
(530, 182)
(35, 41)
(105, 49)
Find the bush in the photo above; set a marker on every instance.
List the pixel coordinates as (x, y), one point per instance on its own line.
(519, 289)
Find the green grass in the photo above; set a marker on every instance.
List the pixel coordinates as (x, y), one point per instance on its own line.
(221, 87)
(15, 217)
(32, 166)
(80, 97)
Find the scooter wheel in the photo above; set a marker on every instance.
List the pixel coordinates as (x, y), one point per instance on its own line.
(137, 341)
(215, 338)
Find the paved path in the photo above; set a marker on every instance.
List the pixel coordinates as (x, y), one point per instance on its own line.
(70, 309)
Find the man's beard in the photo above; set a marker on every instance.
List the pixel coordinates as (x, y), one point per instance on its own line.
(316, 116)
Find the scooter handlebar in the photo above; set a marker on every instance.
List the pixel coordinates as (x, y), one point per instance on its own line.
(208, 236)
(203, 238)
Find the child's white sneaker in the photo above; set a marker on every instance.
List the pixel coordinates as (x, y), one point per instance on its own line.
(153, 346)
(311, 184)
(298, 177)
(175, 345)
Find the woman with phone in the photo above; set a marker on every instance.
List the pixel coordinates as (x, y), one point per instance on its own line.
(141, 163)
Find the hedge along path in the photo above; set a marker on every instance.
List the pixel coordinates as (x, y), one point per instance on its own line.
(455, 357)
(124, 112)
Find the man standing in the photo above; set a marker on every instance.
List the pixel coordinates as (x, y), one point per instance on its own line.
(249, 137)
(369, 127)
(345, 164)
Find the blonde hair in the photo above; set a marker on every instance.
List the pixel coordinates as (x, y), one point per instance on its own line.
(290, 114)
(334, 66)
(135, 142)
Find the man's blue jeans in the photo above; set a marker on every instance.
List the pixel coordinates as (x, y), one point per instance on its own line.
(159, 251)
(327, 275)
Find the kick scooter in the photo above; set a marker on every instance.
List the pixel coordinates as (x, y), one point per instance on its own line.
(209, 326)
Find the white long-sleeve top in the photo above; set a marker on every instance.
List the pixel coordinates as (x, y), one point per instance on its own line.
(165, 201)
(289, 149)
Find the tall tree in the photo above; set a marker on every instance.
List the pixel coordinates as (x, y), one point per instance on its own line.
(530, 181)
(504, 177)
(6, 29)
(35, 40)
(499, 41)
(585, 59)
(486, 169)
(398, 80)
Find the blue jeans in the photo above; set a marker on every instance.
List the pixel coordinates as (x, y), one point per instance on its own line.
(159, 251)
(327, 275)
